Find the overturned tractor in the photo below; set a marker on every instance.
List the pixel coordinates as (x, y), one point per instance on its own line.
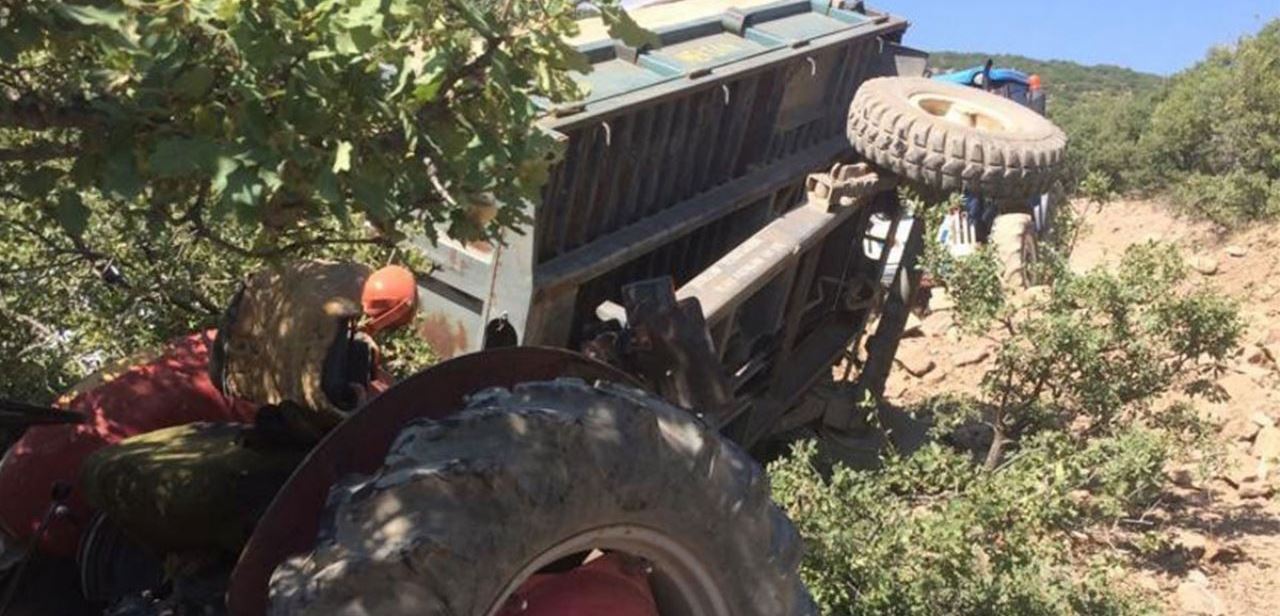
(699, 260)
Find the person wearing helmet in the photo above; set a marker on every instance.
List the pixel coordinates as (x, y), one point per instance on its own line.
(299, 337)
(389, 299)
(298, 342)
(1035, 96)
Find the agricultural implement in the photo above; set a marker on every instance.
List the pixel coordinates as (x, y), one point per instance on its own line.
(697, 263)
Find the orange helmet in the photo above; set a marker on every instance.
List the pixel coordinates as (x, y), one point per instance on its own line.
(1034, 82)
(389, 298)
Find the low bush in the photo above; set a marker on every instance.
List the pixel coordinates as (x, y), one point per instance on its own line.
(934, 534)
(1076, 439)
(1231, 199)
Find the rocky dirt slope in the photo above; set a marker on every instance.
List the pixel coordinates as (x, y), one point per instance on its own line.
(1217, 540)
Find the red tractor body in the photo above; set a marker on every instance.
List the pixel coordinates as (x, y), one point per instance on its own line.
(170, 390)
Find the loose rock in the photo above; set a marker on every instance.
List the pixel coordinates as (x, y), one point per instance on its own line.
(1266, 446)
(1237, 384)
(937, 324)
(940, 300)
(1182, 477)
(1196, 598)
(1237, 251)
(1240, 429)
(1195, 546)
(1256, 490)
(971, 357)
(1207, 266)
(917, 365)
(1259, 356)
(1241, 468)
(912, 328)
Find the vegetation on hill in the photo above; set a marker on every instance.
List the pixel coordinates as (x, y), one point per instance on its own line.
(1065, 82)
(1073, 439)
(1209, 136)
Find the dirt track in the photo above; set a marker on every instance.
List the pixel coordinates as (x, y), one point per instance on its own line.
(1220, 538)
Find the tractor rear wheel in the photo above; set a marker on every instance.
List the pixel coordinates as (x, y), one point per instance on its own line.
(467, 509)
(952, 138)
(1013, 237)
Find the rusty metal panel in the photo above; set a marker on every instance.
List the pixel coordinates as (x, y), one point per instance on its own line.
(754, 263)
(729, 101)
(667, 161)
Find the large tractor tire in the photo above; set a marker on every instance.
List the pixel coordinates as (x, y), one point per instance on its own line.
(952, 138)
(1013, 237)
(466, 509)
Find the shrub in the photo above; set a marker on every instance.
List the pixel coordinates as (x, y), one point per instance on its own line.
(1104, 345)
(931, 534)
(1230, 200)
(153, 153)
(1078, 441)
(1106, 139)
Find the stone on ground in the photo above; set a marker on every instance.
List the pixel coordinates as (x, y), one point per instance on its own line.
(1241, 468)
(916, 364)
(1266, 446)
(970, 357)
(1207, 266)
(1240, 429)
(1195, 597)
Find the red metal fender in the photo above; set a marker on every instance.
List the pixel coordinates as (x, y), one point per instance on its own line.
(170, 390)
(605, 586)
(359, 445)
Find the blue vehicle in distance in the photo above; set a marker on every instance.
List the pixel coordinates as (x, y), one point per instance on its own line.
(1012, 231)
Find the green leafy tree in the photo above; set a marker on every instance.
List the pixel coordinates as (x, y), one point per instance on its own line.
(1215, 139)
(1065, 82)
(152, 152)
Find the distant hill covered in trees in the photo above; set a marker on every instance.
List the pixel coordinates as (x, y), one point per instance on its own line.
(1209, 136)
(1066, 82)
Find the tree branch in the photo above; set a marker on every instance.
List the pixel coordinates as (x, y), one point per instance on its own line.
(38, 114)
(201, 229)
(36, 152)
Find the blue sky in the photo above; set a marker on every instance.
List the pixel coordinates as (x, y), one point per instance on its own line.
(1158, 36)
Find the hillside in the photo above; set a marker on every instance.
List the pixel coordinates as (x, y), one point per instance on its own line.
(1065, 82)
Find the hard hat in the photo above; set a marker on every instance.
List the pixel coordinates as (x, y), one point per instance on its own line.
(389, 298)
(1034, 80)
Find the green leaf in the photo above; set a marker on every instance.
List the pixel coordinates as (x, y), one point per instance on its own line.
(577, 61)
(342, 157)
(473, 17)
(329, 191)
(39, 183)
(194, 83)
(227, 9)
(371, 195)
(113, 18)
(72, 213)
(226, 165)
(241, 193)
(120, 175)
(181, 156)
(327, 187)
(624, 28)
(366, 13)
